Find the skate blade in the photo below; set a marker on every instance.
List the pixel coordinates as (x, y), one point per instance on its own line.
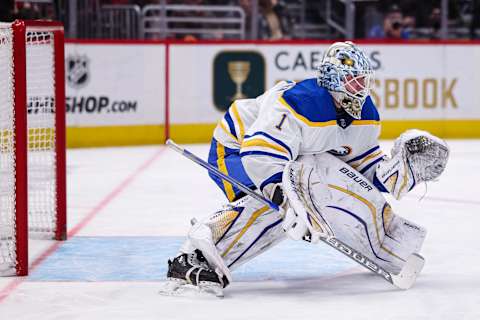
(179, 288)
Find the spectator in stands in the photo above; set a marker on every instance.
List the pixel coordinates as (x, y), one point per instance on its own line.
(435, 23)
(393, 26)
(409, 24)
(270, 24)
(274, 21)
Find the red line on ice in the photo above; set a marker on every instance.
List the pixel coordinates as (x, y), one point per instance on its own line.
(5, 292)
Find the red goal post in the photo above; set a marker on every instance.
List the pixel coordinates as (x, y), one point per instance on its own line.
(32, 139)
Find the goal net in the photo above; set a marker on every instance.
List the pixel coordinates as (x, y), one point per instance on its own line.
(32, 139)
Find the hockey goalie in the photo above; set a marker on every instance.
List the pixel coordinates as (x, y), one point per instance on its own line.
(311, 148)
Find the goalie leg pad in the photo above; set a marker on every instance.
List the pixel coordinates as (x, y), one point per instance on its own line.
(236, 233)
(356, 212)
(403, 236)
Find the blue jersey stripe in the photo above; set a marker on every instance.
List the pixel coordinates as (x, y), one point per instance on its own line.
(277, 177)
(363, 155)
(263, 153)
(279, 142)
(231, 125)
(370, 165)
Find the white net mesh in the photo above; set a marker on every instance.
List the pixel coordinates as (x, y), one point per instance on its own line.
(7, 154)
(41, 135)
(41, 108)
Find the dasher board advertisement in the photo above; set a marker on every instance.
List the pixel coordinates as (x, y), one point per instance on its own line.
(411, 81)
(115, 84)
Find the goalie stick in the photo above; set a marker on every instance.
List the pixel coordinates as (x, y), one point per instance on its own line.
(403, 280)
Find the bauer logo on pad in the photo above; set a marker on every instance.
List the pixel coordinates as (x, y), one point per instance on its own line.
(237, 75)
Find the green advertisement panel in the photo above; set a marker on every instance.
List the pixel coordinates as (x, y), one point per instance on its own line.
(237, 75)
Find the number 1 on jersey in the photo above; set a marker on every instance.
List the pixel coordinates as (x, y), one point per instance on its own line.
(279, 126)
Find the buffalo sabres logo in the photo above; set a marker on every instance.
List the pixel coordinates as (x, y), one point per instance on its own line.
(341, 152)
(77, 71)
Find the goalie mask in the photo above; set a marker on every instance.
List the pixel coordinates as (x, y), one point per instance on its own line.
(347, 74)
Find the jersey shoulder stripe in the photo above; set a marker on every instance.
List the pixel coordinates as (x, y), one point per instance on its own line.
(310, 103)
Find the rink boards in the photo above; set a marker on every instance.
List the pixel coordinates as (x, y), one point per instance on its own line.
(121, 93)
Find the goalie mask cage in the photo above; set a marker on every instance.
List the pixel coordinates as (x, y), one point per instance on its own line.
(32, 139)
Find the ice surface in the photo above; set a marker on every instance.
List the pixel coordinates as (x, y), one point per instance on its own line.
(129, 207)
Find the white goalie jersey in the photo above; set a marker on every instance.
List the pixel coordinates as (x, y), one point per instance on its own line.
(292, 120)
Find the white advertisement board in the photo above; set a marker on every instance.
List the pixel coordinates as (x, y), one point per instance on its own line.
(413, 82)
(111, 85)
(115, 84)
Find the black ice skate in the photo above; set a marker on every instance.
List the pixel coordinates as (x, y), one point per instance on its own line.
(192, 271)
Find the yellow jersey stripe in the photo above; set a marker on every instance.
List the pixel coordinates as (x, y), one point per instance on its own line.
(227, 186)
(365, 122)
(374, 214)
(237, 117)
(305, 120)
(265, 144)
(249, 223)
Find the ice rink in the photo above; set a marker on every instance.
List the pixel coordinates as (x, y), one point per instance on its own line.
(128, 209)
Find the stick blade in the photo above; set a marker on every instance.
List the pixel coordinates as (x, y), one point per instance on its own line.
(407, 276)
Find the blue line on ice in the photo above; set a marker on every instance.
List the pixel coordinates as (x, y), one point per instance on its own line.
(145, 259)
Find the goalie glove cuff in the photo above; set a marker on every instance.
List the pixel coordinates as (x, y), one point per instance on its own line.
(417, 156)
(395, 175)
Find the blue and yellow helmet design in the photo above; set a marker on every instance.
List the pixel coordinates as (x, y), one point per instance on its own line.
(347, 74)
